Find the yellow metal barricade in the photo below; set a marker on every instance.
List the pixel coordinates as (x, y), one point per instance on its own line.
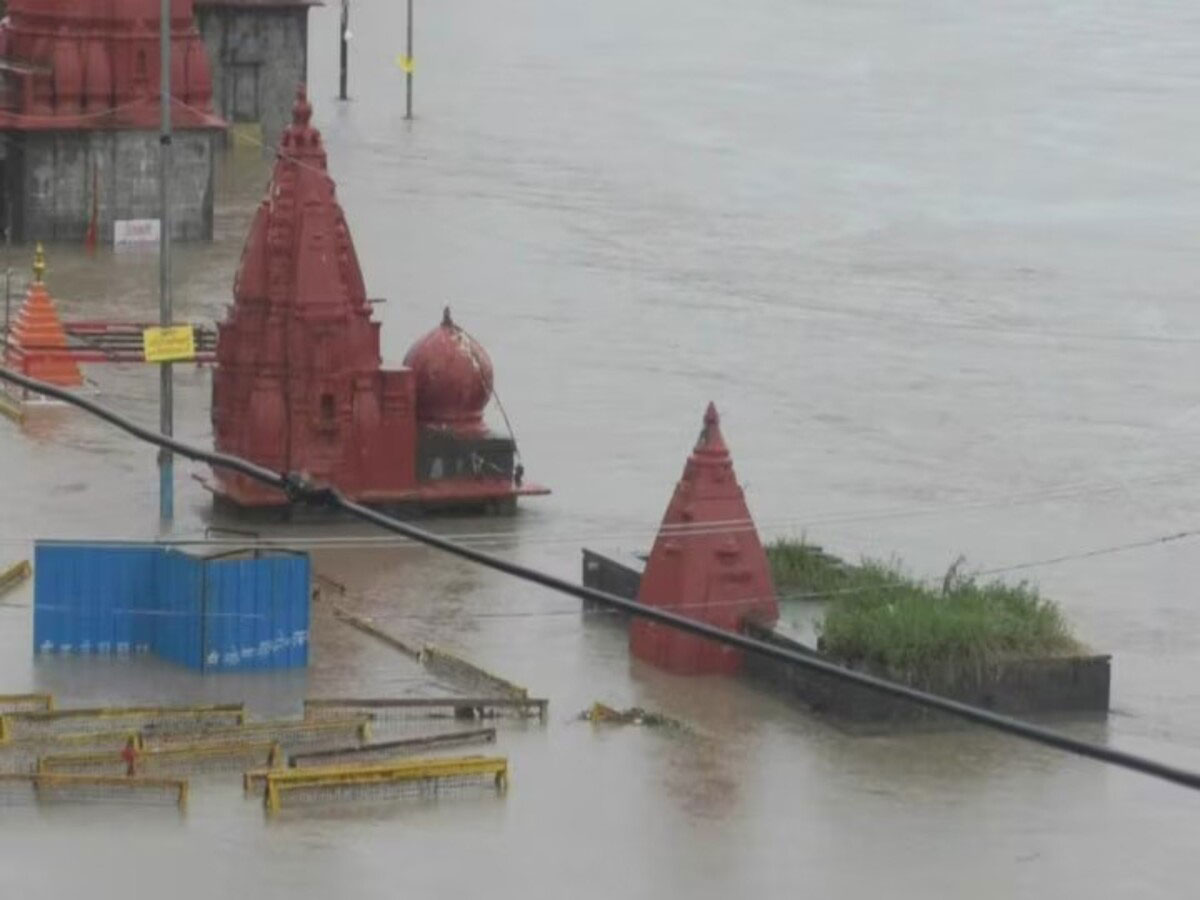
(189, 757)
(287, 732)
(468, 707)
(15, 703)
(80, 787)
(394, 772)
(175, 718)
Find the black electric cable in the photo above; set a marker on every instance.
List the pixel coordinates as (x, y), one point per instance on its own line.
(300, 489)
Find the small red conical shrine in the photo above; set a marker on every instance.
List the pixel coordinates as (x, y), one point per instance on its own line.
(707, 563)
(37, 344)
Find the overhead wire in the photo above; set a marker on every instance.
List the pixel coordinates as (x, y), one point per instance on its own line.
(299, 489)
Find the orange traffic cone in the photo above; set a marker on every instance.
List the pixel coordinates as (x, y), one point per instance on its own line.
(37, 344)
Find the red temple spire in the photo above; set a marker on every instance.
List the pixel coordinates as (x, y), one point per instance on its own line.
(298, 385)
(707, 563)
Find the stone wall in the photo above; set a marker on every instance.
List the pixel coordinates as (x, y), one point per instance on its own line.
(50, 181)
(621, 578)
(259, 55)
(1072, 684)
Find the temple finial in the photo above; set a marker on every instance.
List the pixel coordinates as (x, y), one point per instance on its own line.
(39, 263)
(301, 110)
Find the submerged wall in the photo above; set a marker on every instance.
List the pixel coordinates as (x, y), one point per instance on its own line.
(1017, 686)
(259, 54)
(53, 175)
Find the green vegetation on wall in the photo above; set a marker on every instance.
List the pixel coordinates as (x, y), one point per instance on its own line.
(878, 615)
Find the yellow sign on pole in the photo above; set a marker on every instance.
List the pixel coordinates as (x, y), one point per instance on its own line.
(174, 344)
(404, 63)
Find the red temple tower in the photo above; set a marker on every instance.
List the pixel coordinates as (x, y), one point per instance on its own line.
(707, 563)
(299, 385)
(90, 64)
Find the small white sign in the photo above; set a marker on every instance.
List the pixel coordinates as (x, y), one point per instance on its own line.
(135, 232)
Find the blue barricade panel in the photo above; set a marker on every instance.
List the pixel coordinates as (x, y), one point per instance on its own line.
(256, 612)
(222, 613)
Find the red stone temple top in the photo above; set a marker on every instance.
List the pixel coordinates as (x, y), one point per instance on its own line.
(94, 64)
(707, 563)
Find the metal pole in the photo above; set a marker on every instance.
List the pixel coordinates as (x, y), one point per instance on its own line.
(7, 264)
(166, 473)
(342, 46)
(408, 69)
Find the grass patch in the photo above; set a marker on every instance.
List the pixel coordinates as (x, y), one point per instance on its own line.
(800, 568)
(879, 615)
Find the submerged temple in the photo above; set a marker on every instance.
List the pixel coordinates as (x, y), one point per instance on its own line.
(299, 384)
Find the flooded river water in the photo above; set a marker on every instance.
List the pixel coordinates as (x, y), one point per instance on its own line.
(936, 264)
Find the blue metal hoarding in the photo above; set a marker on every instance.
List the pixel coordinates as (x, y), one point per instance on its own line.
(218, 613)
(177, 624)
(252, 619)
(89, 599)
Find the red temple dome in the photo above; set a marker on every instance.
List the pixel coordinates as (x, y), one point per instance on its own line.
(454, 377)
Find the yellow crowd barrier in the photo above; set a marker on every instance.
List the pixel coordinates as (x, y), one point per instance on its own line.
(451, 665)
(13, 703)
(434, 769)
(288, 732)
(100, 717)
(191, 756)
(458, 707)
(82, 784)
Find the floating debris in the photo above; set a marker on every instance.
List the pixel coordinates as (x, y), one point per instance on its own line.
(634, 715)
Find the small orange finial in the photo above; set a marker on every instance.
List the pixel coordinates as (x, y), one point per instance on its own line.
(39, 263)
(301, 110)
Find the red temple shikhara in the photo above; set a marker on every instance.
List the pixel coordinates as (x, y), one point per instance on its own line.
(94, 64)
(707, 563)
(299, 385)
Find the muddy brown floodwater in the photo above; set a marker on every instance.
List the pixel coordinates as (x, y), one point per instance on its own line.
(935, 262)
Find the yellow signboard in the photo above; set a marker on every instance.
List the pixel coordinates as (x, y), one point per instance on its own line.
(404, 63)
(172, 344)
